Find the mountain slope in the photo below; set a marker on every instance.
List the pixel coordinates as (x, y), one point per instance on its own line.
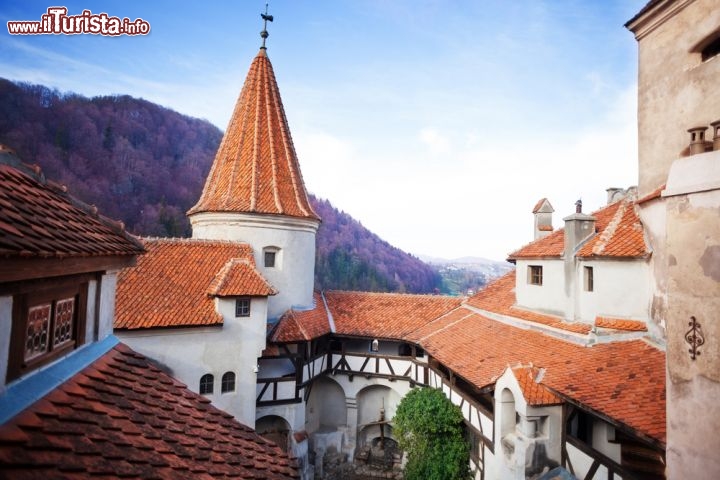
(146, 165)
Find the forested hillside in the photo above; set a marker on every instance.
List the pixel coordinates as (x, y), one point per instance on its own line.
(145, 165)
(350, 257)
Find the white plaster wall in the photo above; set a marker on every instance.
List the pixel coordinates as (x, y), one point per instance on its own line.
(295, 275)
(106, 313)
(193, 352)
(621, 289)
(581, 464)
(602, 434)
(5, 329)
(653, 216)
(550, 296)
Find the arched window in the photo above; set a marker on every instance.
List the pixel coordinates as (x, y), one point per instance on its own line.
(206, 384)
(228, 382)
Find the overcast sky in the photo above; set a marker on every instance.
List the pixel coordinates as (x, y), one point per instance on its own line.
(436, 124)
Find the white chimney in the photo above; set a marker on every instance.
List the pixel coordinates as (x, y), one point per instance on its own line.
(543, 218)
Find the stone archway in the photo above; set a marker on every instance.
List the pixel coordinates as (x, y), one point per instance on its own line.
(274, 428)
(326, 408)
(374, 403)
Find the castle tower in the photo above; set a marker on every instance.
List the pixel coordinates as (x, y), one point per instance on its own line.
(255, 192)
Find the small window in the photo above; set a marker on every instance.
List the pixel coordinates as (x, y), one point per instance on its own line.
(375, 346)
(535, 275)
(45, 325)
(242, 307)
(589, 280)
(206, 384)
(228, 382)
(711, 50)
(270, 259)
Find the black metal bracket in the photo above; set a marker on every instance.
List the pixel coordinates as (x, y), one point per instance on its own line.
(694, 337)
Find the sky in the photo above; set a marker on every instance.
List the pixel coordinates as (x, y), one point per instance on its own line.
(436, 124)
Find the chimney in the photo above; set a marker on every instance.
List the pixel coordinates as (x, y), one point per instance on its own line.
(697, 140)
(542, 214)
(614, 194)
(716, 135)
(578, 228)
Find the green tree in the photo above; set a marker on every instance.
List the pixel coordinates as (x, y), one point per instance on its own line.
(429, 429)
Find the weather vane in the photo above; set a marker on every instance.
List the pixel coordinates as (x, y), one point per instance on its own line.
(264, 34)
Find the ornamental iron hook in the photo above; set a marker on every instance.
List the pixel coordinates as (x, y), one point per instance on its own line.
(694, 337)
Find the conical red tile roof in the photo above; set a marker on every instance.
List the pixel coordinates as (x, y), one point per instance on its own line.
(256, 169)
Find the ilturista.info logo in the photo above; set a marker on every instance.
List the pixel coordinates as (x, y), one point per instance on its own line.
(57, 22)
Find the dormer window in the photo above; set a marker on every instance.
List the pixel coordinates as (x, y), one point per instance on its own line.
(242, 307)
(271, 257)
(46, 324)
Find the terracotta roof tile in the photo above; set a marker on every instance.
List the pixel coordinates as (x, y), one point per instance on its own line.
(621, 324)
(256, 169)
(499, 297)
(39, 219)
(172, 284)
(619, 234)
(535, 393)
(240, 277)
(385, 315)
(302, 325)
(623, 380)
(122, 416)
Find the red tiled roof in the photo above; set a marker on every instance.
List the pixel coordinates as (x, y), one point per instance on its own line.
(499, 297)
(239, 277)
(621, 324)
(534, 392)
(619, 234)
(123, 417)
(385, 315)
(545, 228)
(172, 284)
(622, 380)
(39, 219)
(302, 325)
(256, 169)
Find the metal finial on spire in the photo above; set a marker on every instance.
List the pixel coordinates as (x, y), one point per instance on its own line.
(264, 34)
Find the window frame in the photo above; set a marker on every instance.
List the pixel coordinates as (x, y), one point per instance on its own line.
(243, 307)
(227, 384)
(43, 294)
(535, 275)
(269, 258)
(206, 385)
(588, 278)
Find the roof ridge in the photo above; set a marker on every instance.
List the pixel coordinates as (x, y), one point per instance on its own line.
(609, 231)
(193, 240)
(449, 325)
(423, 295)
